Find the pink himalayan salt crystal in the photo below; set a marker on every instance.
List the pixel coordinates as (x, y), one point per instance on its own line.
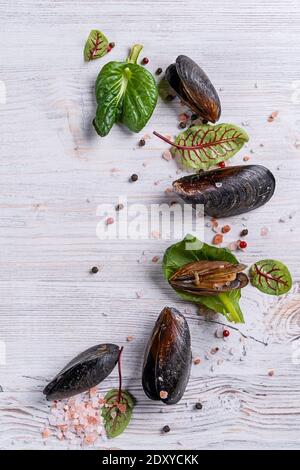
(246, 158)
(110, 220)
(183, 117)
(233, 246)
(77, 419)
(129, 339)
(273, 116)
(264, 231)
(155, 259)
(167, 155)
(168, 190)
(146, 136)
(155, 234)
(163, 394)
(46, 433)
(90, 438)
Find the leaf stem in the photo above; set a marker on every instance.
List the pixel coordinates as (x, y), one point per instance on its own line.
(235, 315)
(120, 374)
(134, 53)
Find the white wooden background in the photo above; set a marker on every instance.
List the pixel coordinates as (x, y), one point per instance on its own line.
(55, 171)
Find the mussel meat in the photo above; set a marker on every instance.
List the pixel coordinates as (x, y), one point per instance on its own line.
(193, 86)
(209, 277)
(84, 372)
(229, 191)
(168, 358)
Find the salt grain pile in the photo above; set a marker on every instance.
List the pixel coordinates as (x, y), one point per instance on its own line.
(77, 419)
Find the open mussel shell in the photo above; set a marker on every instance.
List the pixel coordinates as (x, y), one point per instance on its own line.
(209, 277)
(85, 371)
(168, 358)
(229, 191)
(193, 86)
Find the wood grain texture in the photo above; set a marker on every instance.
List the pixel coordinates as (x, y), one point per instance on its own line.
(55, 171)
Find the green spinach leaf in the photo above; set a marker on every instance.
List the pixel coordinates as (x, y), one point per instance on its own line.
(125, 93)
(191, 249)
(271, 277)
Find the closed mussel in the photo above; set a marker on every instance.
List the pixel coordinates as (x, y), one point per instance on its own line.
(84, 372)
(209, 277)
(168, 357)
(229, 191)
(193, 86)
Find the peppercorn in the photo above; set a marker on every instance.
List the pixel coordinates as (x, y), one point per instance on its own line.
(111, 45)
(198, 406)
(244, 232)
(182, 124)
(145, 60)
(159, 71)
(119, 207)
(134, 177)
(243, 244)
(222, 164)
(226, 333)
(142, 142)
(166, 428)
(204, 121)
(170, 97)
(194, 117)
(94, 269)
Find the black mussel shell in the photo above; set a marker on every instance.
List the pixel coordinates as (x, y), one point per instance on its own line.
(168, 358)
(229, 191)
(84, 372)
(193, 86)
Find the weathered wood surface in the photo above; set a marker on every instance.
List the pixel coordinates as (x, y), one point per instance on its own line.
(55, 171)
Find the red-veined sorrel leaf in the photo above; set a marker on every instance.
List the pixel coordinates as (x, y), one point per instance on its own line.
(201, 147)
(95, 46)
(117, 411)
(271, 277)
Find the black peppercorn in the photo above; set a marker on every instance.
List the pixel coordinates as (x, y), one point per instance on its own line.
(119, 207)
(199, 406)
(112, 45)
(182, 124)
(94, 269)
(194, 117)
(244, 232)
(166, 428)
(170, 97)
(134, 177)
(159, 71)
(142, 142)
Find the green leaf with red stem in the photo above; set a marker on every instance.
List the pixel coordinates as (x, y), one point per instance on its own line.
(271, 277)
(118, 407)
(95, 46)
(200, 147)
